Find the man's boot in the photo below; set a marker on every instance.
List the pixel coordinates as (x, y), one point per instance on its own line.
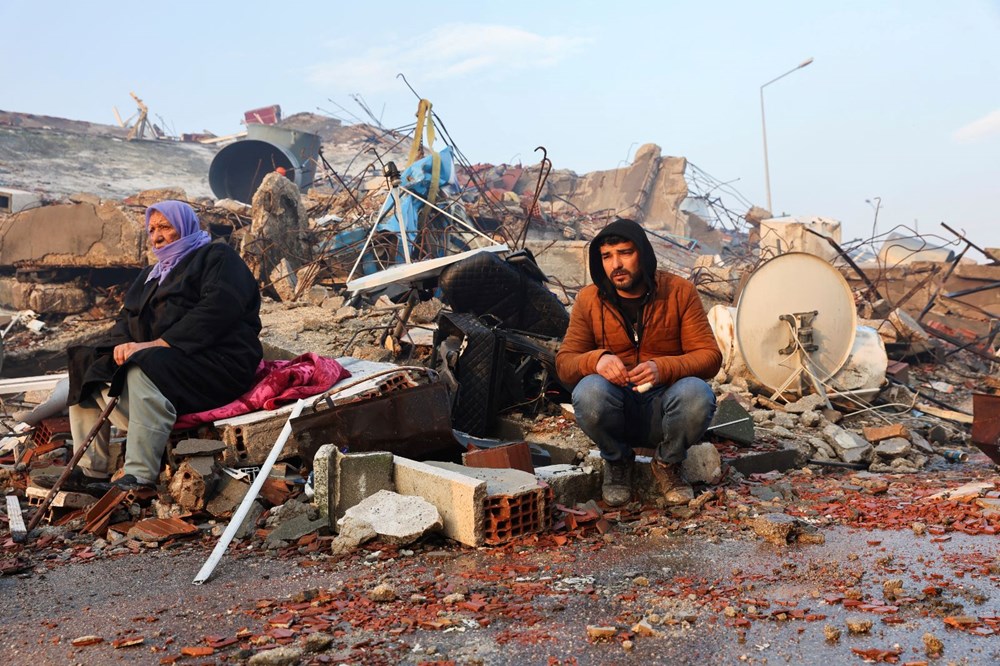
(671, 483)
(617, 487)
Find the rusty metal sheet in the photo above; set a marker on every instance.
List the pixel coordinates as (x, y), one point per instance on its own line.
(986, 424)
(414, 423)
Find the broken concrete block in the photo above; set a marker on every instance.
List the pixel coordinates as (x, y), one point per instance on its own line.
(288, 511)
(908, 328)
(732, 422)
(333, 302)
(43, 298)
(284, 280)
(58, 298)
(458, 498)
(823, 450)
(193, 482)
(278, 230)
(229, 493)
(893, 447)
(156, 195)
(515, 504)
(702, 464)
(397, 519)
(342, 480)
(784, 420)
(249, 525)
(792, 234)
(317, 294)
(285, 655)
(352, 532)
(571, 484)
(296, 527)
(324, 480)
(850, 446)
(806, 403)
(249, 439)
(782, 529)
(198, 447)
(921, 444)
(810, 419)
(767, 461)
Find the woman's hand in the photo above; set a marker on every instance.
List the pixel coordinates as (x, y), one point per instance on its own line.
(125, 350)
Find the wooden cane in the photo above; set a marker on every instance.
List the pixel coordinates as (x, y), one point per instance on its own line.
(71, 465)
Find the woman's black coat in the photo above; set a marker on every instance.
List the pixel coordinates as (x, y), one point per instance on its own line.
(207, 310)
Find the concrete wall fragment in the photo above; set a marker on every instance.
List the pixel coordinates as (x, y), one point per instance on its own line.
(789, 234)
(73, 235)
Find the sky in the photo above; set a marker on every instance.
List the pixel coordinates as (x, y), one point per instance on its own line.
(899, 110)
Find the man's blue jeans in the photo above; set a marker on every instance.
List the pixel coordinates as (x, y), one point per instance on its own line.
(669, 419)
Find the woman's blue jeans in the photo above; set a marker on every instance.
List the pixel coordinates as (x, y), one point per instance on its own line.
(618, 419)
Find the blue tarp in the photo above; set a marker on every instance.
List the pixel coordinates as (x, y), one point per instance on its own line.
(416, 178)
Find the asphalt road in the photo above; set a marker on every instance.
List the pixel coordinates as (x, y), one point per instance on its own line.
(708, 600)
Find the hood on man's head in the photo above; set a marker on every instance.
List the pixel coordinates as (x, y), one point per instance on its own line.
(180, 215)
(630, 230)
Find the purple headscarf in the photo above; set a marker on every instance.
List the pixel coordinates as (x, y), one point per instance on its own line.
(182, 217)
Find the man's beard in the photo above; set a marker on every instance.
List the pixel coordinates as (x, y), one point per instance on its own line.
(629, 283)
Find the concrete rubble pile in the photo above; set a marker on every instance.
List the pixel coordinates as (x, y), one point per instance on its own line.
(926, 342)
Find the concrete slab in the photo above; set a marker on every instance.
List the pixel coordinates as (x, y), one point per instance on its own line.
(397, 519)
(458, 497)
(67, 235)
(571, 484)
(498, 481)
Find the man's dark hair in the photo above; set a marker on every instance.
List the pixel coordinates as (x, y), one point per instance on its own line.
(613, 240)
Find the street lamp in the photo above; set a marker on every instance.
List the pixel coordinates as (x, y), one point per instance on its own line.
(763, 127)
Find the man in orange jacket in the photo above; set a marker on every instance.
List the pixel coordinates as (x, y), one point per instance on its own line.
(638, 349)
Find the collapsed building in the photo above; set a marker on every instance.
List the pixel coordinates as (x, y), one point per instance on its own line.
(443, 290)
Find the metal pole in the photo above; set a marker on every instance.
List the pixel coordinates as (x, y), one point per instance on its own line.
(763, 131)
(248, 499)
(763, 128)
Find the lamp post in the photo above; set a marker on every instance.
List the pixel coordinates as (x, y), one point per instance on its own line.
(763, 127)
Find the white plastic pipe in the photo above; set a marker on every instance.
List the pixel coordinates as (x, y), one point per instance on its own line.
(248, 499)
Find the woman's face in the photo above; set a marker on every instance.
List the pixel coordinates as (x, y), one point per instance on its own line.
(161, 232)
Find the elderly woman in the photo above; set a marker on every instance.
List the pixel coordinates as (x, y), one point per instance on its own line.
(186, 340)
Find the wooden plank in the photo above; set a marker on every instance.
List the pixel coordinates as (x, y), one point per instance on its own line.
(15, 520)
(948, 414)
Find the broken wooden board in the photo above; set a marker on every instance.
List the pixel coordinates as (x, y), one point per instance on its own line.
(947, 414)
(973, 489)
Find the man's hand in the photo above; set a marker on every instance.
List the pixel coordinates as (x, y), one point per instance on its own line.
(611, 368)
(123, 351)
(643, 373)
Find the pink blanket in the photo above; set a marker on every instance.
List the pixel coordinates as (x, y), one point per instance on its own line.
(276, 382)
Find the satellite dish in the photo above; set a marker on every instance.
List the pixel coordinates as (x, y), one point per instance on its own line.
(795, 319)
